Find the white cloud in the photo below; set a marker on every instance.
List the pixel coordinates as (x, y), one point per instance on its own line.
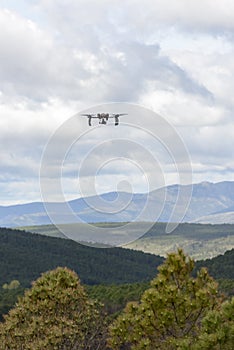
(140, 16)
(58, 57)
(32, 66)
(206, 15)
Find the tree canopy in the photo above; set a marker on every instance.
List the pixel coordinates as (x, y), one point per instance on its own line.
(177, 311)
(217, 329)
(24, 256)
(54, 314)
(170, 311)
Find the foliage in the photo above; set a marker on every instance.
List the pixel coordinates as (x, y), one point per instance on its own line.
(226, 286)
(54, 314)
(220, 266)
(8, 298)
(176, 311)
(217, 329)
(24, 256)
(115, 297)
(14, 284)
(170, 311)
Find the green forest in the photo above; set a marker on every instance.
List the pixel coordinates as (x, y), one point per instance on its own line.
(178, 309)
(113, 276)
(24, 256)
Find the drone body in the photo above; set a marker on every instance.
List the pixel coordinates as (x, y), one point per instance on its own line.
(103, 117)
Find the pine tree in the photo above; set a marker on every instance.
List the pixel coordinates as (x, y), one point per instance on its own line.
(170, 312)
(217, 329)
(54, 314)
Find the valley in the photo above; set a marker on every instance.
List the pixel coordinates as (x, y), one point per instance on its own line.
(200, 241)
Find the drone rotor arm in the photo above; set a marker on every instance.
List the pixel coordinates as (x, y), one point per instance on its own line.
(113, 115)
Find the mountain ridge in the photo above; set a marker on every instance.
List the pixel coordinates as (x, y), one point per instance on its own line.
(207, 199)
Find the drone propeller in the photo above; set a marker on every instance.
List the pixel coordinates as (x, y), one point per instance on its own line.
(87, 115)
(114, 115)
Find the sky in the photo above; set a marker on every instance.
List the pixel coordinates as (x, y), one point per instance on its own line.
(61, 58)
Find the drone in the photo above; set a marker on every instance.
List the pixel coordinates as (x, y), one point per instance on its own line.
(103, 117)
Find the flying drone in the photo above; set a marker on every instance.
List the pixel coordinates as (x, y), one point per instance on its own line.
(103, 117)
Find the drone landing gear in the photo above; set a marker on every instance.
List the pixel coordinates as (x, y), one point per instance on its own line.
(116, 120)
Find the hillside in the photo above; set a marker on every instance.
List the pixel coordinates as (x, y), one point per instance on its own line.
(24, 256)
(199, 241)
(220, 267)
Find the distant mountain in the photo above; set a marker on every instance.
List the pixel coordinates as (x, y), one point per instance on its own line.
(226, 216)
(210, 203)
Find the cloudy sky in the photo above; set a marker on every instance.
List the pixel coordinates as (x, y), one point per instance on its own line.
(59, 58)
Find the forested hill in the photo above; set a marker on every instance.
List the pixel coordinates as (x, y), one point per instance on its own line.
(221, 266)
(24, 256)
